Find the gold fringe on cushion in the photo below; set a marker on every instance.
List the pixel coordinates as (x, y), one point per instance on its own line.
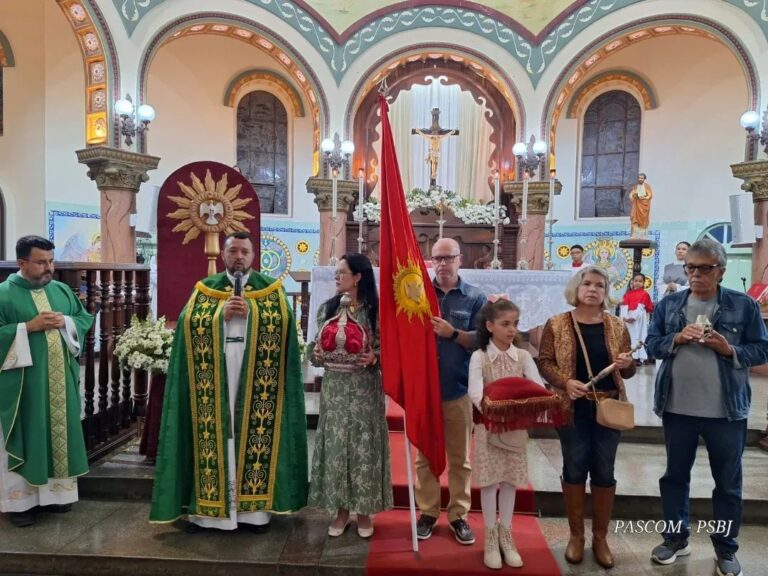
(539, 411)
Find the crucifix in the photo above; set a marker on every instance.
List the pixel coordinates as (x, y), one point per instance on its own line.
(434, 134)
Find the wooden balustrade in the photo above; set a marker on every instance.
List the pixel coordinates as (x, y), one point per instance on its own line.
(114, 401)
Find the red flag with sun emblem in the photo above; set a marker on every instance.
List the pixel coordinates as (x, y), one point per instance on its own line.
(407, 304)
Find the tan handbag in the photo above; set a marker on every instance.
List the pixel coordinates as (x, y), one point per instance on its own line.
(611, 413)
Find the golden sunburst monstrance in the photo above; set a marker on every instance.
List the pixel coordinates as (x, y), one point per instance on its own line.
(211, 207)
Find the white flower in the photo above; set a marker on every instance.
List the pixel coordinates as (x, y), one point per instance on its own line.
(145, 345)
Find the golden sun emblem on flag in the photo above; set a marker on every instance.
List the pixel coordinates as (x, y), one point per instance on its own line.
(409, 290)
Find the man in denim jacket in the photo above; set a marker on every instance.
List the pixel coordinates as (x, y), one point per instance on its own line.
(707, 337)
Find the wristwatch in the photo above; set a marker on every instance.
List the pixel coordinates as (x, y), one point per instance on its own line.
(455, 335)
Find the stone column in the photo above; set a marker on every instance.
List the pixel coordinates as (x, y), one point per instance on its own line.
(530, 241)
(346, 194)
(755, 176)
(118, 175)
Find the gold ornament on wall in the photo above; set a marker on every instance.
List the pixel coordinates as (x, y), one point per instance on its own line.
(210, 207)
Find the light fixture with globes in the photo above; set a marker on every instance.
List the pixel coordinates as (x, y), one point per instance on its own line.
(750, 121)
(133, 121)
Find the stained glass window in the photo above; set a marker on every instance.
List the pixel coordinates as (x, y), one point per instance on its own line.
(262, 149)
(610, 155)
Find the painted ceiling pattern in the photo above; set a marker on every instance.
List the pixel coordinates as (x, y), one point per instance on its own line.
(340, 51)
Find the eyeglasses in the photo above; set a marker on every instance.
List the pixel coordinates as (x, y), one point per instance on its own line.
(444, 259)
(340, 273)
(39, 262)
(703, 268)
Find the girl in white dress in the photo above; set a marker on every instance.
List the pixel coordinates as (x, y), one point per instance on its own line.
(496, 469)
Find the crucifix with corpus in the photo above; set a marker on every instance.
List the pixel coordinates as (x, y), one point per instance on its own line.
(434, 134)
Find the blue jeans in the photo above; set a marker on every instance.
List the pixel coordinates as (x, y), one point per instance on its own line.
(725, 441)
(588, 447)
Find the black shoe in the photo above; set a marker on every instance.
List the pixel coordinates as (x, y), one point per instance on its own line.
(192, 528)
(668, 551)
(22, 519)
(727, 564)
(255, 528)
(462, 531)
(56, 508)
(425, 526)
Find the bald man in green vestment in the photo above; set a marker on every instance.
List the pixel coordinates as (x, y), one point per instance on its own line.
(42, 326)
(233, 436)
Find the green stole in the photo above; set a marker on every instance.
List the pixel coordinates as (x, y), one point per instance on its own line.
(40, 404)
(269, 411)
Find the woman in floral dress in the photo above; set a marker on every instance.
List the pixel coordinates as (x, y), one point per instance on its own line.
(350, 466)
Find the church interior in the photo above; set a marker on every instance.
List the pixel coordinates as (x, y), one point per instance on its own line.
(520, 130)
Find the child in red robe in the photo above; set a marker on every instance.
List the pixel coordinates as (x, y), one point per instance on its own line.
(635, 310)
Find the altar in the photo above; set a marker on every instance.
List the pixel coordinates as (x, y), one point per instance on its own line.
(540, 294)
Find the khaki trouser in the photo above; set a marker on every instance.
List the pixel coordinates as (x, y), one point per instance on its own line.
(457, 424)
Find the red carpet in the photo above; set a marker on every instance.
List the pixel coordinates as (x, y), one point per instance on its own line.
(525, 501)
(390, 550)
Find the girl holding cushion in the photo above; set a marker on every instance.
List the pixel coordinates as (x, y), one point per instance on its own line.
(497, 468)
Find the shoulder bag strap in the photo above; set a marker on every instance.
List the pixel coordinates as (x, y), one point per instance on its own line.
(586, 355)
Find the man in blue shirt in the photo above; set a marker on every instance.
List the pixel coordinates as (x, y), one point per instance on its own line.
(455, 329)
(707, 337)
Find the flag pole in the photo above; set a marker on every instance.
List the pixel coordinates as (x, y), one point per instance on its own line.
(411, 495)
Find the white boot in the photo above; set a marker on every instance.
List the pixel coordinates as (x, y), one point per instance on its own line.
(508, 549)
(492, 556)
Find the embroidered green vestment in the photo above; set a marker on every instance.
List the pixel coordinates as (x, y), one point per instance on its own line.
(192, 469)
(40, 404)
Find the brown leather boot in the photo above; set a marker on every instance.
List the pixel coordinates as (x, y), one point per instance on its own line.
(602, 506)
(574, 509)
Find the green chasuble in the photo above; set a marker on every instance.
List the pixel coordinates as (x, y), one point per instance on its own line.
(270, 432)
(40, 404)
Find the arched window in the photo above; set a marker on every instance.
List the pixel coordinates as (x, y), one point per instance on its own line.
(610, 155)
(262, 148)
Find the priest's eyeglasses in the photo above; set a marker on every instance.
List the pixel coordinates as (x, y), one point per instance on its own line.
(444, 259)
(703, 268)
(39, 262)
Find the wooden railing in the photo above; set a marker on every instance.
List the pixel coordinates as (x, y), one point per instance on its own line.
(114, 399)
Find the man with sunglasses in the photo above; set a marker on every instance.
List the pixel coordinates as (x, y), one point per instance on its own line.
(42, 328)
(707, 337)
(455, 330)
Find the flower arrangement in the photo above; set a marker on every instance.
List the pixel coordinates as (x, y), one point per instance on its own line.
(468, 211)
(145, 345)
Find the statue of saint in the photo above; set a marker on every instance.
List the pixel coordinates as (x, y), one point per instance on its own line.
(640, 195)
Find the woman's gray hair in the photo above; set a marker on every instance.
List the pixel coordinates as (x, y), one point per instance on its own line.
(572, 288)
(711, 248)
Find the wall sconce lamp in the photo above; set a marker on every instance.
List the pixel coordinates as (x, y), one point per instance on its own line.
(128, 127)
(530, 155)
(750, 121)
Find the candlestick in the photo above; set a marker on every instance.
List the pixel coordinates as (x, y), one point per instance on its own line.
(550, 263)
(360, 212)
(496, 263)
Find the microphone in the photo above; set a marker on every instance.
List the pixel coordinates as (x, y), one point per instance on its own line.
(238, 283)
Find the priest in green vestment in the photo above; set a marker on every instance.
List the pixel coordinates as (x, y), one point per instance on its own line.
(233, 436)
(42, 327)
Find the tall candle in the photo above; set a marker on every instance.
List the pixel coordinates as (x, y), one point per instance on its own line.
(334, 197)
(496, 197)
(360, 192)
(525, 197)
(551, 194)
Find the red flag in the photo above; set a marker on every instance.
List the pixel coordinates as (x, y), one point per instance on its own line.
(406, 305)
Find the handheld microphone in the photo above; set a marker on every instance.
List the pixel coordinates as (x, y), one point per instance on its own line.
(238, 283)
